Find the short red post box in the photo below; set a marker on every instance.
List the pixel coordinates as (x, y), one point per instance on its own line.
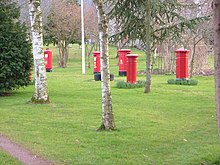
(122, 61)
(182, 63)
(132, 68)
(48, 59)
(96, 55)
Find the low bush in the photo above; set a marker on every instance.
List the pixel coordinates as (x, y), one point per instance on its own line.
(125, 85)
(182, 82)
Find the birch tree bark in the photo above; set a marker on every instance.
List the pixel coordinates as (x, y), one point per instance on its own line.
(107, 113)
(41, 92)
(216, 19)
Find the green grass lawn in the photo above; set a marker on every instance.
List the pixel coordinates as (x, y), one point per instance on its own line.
(172, 125)
(7, 159)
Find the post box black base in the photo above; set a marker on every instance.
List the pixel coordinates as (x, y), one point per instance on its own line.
(48, 70)
(181, 79)
(122, 73)
(112, 77)
(97, 77)
(96, 73)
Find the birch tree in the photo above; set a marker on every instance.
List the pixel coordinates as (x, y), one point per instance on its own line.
(216, 19)
(41, 91)
(107, 113)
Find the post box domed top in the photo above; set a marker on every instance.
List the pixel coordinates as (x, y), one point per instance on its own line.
(47, 50)
(95, 52)
(132, 55)
(182, 50)
(124, 50)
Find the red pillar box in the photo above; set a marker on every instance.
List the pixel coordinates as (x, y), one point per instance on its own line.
(122, 61)
(48, 60)
(132, 68)
(182, 64)
(96, 55)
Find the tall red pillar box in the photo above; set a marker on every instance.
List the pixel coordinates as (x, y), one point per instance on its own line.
(182, 63)
(96, 55)
(122, 61)
(48, 59)
(132, 68)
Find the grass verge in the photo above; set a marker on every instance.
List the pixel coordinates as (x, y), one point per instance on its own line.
(7, 159)
(170, 125)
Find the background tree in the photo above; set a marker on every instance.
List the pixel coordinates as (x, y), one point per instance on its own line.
(91, 29)
(41, 91)
(197, 40)
(15, 49)
(24, 16)
(166, 22)
(107, 112)
(147, 40)
(216, 21)
(63, 27)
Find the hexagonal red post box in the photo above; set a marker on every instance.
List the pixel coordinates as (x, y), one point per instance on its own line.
(122, 61)
(96, 55)
(48, 59)
(132, 68)
(182, 63)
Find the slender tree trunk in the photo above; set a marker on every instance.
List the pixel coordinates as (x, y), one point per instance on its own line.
(192, 59)
(193, 56)
(148, 47)
(89, 54)
(63, 54)
(41, 91)
(107, 113)
(216, 19)
(66, 55)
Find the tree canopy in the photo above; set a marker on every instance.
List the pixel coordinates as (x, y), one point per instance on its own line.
(166, 20)
(15, 49)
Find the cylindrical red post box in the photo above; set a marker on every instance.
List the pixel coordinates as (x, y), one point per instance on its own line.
(132, 68)
(48, 59)
(96, 55)
(182, 63)
(122, 61)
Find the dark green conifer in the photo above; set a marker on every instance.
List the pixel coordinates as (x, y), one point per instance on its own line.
(15, 49)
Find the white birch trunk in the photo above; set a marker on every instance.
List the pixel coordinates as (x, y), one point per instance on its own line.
(216, 19)
(41, 92)
(107, 113)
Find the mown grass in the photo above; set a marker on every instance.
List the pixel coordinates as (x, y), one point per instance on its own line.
(7, 159)
(170, 125)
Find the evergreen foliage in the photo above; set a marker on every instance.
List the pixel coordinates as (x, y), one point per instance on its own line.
(15, 49)
(166, 20)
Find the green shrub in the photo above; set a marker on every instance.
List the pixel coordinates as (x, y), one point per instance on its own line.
(182, 82)
(125, 85)
(171, 81)
(15, 49)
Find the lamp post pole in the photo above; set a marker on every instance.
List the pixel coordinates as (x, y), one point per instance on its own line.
(83, 40)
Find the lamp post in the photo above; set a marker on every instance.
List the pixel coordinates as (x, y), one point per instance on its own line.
(83, 40)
